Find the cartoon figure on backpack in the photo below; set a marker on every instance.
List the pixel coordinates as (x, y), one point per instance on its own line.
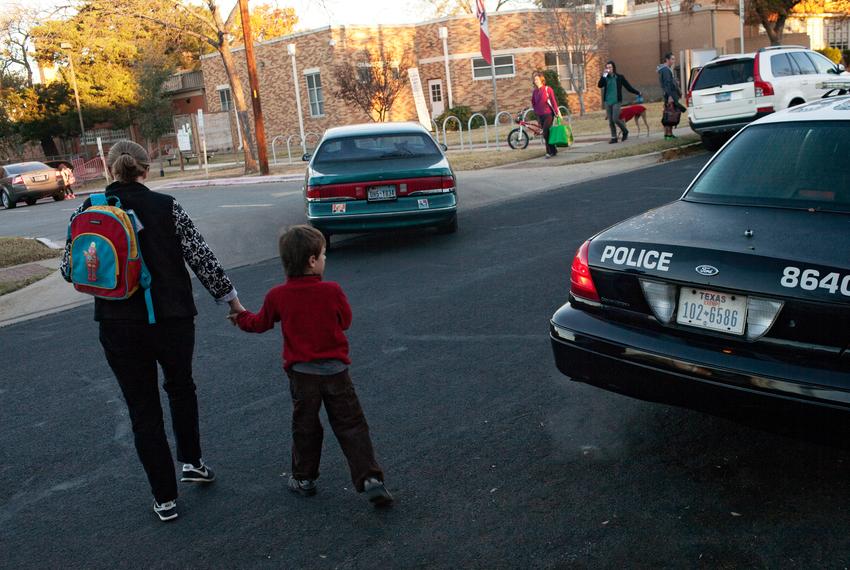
(92, 262)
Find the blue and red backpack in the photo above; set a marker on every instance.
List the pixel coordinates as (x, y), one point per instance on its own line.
(105, 257)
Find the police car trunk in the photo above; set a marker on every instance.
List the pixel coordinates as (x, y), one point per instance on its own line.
(743, 284)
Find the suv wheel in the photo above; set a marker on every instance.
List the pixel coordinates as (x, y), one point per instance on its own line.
(712, 142)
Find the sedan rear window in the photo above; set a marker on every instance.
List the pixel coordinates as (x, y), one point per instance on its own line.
(729, 72)
(25, 167)
(791, 165)
(377, 147)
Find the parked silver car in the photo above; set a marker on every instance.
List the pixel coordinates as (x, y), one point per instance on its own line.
(28, 182)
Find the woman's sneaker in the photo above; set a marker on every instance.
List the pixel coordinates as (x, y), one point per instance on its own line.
(197, 474)
(167, 511)
(377, 493)
(304, 487)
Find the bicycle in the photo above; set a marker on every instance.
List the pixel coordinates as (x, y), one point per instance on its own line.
(518, 138)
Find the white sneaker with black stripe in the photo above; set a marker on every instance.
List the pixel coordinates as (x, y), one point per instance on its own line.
(197, 473)
(167, 511)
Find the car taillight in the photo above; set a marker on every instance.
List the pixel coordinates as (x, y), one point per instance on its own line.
(312, 193)
(581, 282)
(18, 180)
(762, 87)
(57, 174)
(448, 183)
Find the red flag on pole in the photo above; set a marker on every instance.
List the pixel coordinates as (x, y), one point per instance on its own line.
(484, 32)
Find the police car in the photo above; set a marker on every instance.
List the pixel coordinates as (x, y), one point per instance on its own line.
(738, 292)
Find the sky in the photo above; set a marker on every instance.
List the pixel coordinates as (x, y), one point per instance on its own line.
(319, 13)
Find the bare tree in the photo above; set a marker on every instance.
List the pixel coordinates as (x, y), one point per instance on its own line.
(207, 24)
(441, 8)
(578, 35)
(372, 80)
(16, 41)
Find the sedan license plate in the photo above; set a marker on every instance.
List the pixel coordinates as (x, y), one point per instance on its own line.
(39, 178)
(712, 310)
(723, 97)
(378, 193)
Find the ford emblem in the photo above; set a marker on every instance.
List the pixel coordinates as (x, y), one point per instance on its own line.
(707, 270)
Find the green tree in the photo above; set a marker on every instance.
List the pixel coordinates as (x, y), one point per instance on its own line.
(267, 22)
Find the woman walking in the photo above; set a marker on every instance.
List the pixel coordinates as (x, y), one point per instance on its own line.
(168, 241)
(612, 84)
(545, 106)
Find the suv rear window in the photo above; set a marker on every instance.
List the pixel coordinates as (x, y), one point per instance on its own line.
(729, 72)
(788, 165)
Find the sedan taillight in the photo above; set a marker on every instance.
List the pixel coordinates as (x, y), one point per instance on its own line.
(581, 282)
(18, 179)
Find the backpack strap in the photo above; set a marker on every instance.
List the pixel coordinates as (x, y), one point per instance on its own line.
(145, 276)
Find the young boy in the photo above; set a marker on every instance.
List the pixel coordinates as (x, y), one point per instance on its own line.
(313, 315)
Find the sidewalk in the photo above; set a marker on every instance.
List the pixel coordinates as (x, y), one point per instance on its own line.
(480, 188)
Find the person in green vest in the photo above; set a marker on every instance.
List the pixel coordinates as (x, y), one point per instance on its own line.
(612, 84)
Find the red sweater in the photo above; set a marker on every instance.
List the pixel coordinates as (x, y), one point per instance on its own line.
(313, 315)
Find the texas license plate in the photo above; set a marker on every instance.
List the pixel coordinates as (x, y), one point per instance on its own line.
(39, 178)
(723, 97)
(712, 310)
(377, 193)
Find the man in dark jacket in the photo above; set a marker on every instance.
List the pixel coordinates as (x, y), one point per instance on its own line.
(612, 85)
(670, 88)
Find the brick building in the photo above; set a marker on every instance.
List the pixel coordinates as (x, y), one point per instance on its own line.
(522, 41)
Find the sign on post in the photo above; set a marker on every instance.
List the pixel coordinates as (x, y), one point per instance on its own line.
(203, 137)
(419, 97)
(184, 137)
(102, 159)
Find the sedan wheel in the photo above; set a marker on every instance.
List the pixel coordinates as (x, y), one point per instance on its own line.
(8, 203)
(31, 201)
(59, 197)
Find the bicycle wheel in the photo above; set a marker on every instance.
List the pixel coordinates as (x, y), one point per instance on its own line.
(518, 139)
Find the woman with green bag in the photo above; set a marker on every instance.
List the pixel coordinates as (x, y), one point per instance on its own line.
(545, 107)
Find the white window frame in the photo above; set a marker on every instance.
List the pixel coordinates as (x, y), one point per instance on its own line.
(483, 65)
(315, 95)
(837, 33)
(228, 98)
(560, 67)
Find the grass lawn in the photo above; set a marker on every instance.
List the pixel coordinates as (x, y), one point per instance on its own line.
(15, 251)
(9, 286)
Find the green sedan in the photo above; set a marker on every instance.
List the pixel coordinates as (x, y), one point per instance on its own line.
(379, 176)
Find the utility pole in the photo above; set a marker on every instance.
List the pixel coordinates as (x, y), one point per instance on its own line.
(66, 45)
(262, 154)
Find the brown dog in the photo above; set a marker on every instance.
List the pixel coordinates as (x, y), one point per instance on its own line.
(636, 112)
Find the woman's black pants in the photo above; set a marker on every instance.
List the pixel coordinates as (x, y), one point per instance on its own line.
(546, 123)
(133, 351)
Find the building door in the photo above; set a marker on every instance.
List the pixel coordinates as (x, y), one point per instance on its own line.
(435, 92)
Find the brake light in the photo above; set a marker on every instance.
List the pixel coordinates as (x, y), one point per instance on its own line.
(763, 88)
(18, 179)
(581, 282)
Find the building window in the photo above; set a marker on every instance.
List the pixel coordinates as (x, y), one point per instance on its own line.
(436, 92)
(562, 63)
(225, 97)
(504, 67)
(314, 93)
(837, 32)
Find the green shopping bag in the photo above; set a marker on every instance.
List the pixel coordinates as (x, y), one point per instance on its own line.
(559, 133)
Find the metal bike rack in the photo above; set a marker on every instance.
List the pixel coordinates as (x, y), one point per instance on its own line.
(288, 147)
(307, 136)
(469, 130)
(565, 111)
(496, 126)
(274, 154)
(459, 128)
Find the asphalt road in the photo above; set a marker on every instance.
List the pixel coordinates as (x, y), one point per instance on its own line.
(496, 460)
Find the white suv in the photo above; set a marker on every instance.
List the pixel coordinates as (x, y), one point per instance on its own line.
(733, 90)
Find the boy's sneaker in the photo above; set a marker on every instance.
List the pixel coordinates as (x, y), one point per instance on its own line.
(166, 511)
(377, 493)
(197, 474)
(304, 487)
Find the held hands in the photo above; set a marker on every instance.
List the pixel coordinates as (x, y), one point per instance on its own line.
(235, 308)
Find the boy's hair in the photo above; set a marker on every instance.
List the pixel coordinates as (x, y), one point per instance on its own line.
(296, 245)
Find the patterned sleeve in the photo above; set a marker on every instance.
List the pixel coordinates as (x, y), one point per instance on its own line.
(200, 257)
(65, 266)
